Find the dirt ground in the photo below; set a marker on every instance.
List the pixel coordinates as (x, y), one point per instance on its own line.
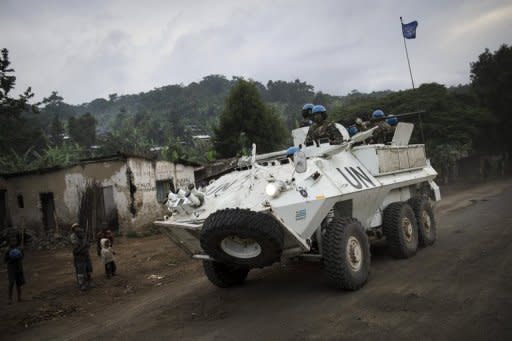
(51, 292)
(460, 288)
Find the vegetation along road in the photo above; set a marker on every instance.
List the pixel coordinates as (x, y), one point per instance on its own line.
(457, 289)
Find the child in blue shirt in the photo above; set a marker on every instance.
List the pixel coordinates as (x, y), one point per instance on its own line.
(14, 260)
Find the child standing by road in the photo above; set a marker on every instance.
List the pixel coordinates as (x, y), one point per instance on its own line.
(105, 232)
(107, 256)
(14, 258)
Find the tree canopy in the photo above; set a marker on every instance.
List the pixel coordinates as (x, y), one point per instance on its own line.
(491, 79)
(82, 130)
(246, 120)
(18, 133)
(175, 121)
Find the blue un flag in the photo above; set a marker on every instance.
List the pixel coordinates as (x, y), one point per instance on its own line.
(409, 30)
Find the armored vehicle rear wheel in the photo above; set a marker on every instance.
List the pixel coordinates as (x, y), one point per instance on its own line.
(425, 218)
(346, 254)
(243, 237)
(224, 275)
(401, 230)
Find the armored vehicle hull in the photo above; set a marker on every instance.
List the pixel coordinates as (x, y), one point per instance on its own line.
(325, 201)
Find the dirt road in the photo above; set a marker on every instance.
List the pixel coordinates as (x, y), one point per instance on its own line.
(460, 288)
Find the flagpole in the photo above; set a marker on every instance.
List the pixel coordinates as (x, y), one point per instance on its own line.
(407, 54)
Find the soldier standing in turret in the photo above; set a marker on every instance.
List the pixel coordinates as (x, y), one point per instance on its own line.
(322, 129)
(306, 115)
(384, 130)
(392, 120)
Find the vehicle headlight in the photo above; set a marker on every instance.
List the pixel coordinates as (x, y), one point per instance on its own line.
(273, 189)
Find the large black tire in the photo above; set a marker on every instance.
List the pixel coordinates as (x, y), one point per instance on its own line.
(242, 225)
(401, 230)
(424, 213)
(225, 275)
(346, 254)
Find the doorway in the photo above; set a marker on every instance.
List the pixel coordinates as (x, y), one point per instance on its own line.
(110, 208)
(3, 210)
(48, 210)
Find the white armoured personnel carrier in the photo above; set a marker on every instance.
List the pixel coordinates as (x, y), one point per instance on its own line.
(324, 201)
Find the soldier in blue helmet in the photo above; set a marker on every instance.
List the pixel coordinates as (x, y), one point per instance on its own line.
(378, 115)
(384, 132)
(307, 110)
(321, 129)
(392, 120)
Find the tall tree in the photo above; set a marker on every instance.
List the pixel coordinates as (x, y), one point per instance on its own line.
(18, 134)
(491, 78)
(246, 120)
(54, 99)
(11, 106)
(82, 130)
(57, 131)
(112, 97)
(72, 128)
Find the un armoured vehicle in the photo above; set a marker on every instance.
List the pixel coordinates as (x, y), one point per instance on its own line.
(324, 201)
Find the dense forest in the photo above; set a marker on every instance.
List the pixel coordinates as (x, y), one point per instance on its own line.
(174, 121)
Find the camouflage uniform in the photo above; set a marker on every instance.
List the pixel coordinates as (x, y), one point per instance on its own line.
(323, 130)
(383, 133)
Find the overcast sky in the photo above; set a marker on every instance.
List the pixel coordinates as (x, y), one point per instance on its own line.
(89, 49)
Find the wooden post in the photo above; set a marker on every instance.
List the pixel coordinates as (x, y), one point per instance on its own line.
(93, 222)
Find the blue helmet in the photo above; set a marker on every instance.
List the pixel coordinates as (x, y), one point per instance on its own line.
(378, 114)
(306, 110)
(352, 130)
(392, 120)
(15, 254)
(308, 106)
(319, 108)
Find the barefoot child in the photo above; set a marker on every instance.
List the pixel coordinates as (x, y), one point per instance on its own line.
(14, 258)
(107, 256)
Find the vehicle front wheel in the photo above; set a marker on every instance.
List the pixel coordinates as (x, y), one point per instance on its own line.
(225, 275)
(243, 237)
(346, 254)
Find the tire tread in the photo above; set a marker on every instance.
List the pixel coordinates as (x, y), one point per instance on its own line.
(417, 204)
(392, 229)
(338, 272)
(233, 221)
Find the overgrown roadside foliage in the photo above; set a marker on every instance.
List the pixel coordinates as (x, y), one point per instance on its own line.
(454, 124)
(491, 80)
